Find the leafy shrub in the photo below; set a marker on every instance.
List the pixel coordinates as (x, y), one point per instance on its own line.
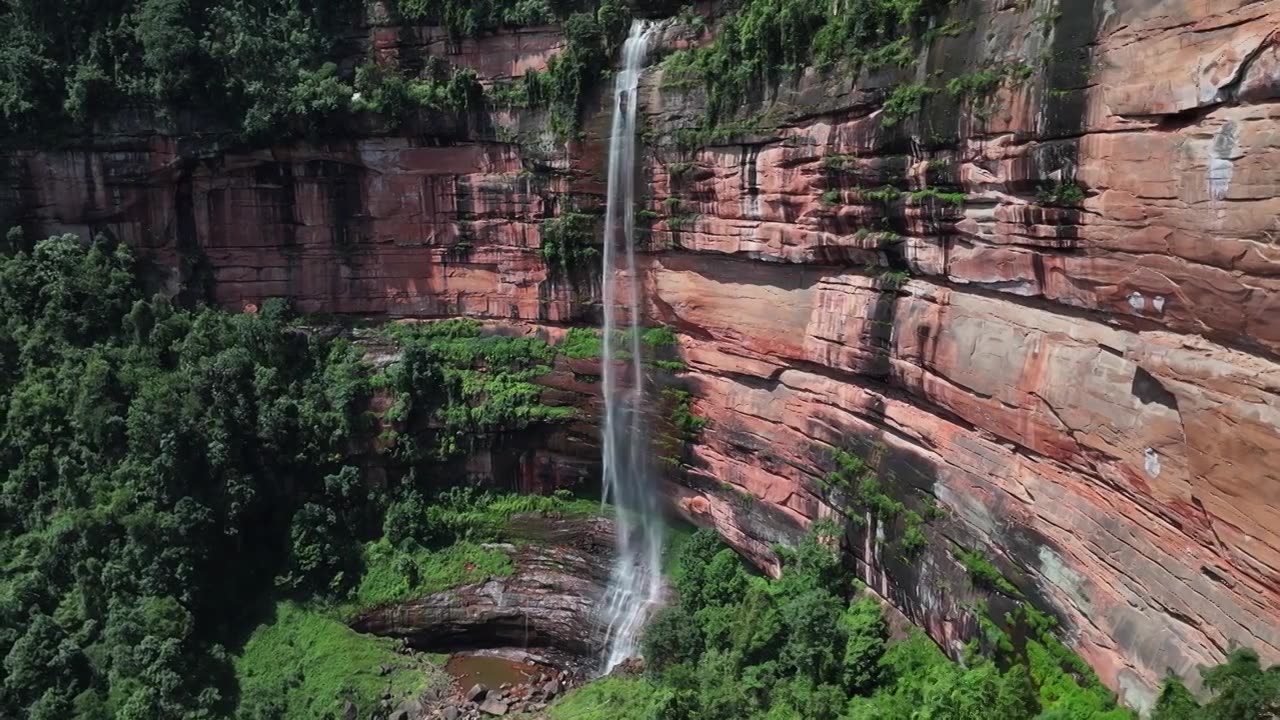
(903, 102)
(1060, 193)
(568, 242)
(984, 574)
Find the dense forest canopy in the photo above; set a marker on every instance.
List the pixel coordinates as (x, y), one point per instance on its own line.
(168, 473)
(271, 68)
(263, 68)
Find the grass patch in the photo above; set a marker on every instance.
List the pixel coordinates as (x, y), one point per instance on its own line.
(304, 665)
(609, 698)
(393, 575)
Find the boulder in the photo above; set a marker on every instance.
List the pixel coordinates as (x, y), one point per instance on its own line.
(477, 693)
(494, 707)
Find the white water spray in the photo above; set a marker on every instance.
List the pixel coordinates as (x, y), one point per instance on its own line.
(636, 582)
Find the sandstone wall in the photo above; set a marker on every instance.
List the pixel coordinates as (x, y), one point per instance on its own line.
(1091, 392)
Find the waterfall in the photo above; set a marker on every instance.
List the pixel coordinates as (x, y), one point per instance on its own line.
(635, 584)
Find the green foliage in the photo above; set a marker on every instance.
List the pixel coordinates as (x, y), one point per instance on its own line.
(581, 343)
(303, 665)
(167, 473)
(687, 425)
(894, 278)
(905, 101)
(884, 195)
(568, 242)
(921, 682)
(680, 169)
(590, 42)
(1238, 688)
(983, 574)
(661, 336)
(454, 388)
(975, 84)
(269, 68)
(432, 545)
(931, 194)
(831, 197)
(392, 574)
(765, 38)
(609, 698)
(162, 468)
(387, 91)
(463, 18)
(1060, 193)
(736, 646)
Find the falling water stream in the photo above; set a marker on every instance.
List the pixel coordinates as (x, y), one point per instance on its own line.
(636, 583)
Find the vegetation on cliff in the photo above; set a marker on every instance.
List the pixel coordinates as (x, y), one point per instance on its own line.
(170, 474)
(741, 646)
(260, 69)
(738, 646)
(764, 40)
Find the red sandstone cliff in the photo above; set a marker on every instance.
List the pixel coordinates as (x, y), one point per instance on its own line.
(1091, 392)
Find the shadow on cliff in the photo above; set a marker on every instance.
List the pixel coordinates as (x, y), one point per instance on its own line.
(926, 558)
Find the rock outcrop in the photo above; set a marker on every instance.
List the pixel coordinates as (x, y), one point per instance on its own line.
(1088, 385)
(549, 601)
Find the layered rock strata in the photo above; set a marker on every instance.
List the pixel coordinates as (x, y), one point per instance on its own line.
(561, 568)
(1086, 384)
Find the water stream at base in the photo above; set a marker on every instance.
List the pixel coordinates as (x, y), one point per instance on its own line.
(635, 584)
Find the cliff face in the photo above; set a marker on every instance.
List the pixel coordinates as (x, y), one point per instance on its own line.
(1088, 387)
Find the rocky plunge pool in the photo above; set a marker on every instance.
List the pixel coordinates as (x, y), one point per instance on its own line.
(515, 642)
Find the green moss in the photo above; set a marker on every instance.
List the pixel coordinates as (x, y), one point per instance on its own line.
(307, 665)
(831, 197)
